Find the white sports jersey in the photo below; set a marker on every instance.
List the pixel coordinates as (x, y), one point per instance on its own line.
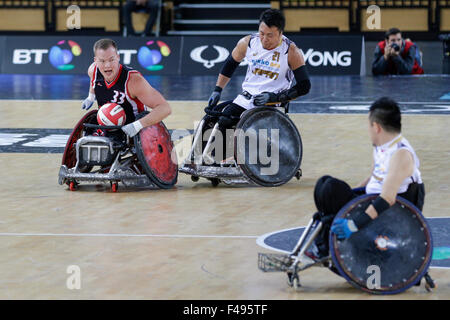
(382, 155)
(268, 70)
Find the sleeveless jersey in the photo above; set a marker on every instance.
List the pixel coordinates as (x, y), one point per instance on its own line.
(268, 70)
(382, 155)
(117, 92)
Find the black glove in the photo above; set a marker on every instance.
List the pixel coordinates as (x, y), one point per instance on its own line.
(265, 98)
(215, 96)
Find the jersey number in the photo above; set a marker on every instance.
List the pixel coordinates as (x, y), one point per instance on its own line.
(116, 95)
(276, 56)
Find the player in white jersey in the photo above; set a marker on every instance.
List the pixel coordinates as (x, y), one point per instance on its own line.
(274, 61)
(395, 171)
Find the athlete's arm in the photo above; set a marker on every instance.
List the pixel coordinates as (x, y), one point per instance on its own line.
(237, 55)
(401, 166)
(232, 62)
(89, 101)
(297, 64)
(295, 57)
(139, 88)
(91, 75)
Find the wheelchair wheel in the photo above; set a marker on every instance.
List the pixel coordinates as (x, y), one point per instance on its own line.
(276, 134)
(70, 157)
(156, 155)
(389, 255)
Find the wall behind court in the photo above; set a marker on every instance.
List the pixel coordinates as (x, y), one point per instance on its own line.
(325, 55)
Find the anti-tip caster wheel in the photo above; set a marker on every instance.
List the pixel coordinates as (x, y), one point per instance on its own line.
(298, 175)
(194, 178)
(296, 283)
(72, 186)
(114, 186)
(293, 280)
(215, 182)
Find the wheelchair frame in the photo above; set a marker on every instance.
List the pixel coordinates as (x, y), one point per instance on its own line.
(229, 173)
(296, 261)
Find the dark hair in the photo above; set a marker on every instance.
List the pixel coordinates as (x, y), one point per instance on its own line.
(391, 31)
(273, 17)
(386, 113)
(104, 44)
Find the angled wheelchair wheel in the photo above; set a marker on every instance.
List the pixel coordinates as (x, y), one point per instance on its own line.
(156, 154)
(268, 146)
(389, 255)
(70, 157)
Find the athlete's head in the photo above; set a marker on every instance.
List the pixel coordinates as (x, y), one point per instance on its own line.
(106, 57)
(392, 36)
(384, 118)
(271, 27)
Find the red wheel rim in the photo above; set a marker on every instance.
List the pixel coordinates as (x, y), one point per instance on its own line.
(156, 154)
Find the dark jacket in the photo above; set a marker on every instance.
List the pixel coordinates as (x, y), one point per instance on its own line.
(404, 63)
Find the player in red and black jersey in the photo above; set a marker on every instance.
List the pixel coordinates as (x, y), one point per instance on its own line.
(113, 82)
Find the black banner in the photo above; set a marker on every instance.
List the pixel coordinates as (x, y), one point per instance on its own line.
(73, 55)
(324, 55)
(331, 55)
(206, 55)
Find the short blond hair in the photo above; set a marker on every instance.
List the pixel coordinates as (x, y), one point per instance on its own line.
(104, 44)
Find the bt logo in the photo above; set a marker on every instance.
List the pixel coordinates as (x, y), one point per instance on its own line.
(62, 54)
(150, 55)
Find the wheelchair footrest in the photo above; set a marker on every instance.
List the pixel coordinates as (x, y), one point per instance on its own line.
(274, 262)
(127, 177)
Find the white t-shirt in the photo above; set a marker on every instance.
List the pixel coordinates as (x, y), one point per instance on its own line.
(268, 70)
(382, 155)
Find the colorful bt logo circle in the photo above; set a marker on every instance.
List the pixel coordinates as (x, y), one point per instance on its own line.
(150, 55)
(62, 54)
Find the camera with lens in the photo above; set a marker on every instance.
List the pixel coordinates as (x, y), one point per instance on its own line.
(395, 47)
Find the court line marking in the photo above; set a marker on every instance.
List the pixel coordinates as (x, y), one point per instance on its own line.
(437, 267)
(126, 235)
(260, 239)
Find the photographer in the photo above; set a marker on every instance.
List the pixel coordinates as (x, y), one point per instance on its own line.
(395, 55)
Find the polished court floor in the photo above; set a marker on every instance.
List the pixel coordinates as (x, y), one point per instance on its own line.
(193, 241)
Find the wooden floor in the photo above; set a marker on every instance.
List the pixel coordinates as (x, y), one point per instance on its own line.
(191, 242)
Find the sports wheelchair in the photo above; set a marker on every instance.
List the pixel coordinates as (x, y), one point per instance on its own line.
(147, 160)
(399, 243)
(264, 127)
